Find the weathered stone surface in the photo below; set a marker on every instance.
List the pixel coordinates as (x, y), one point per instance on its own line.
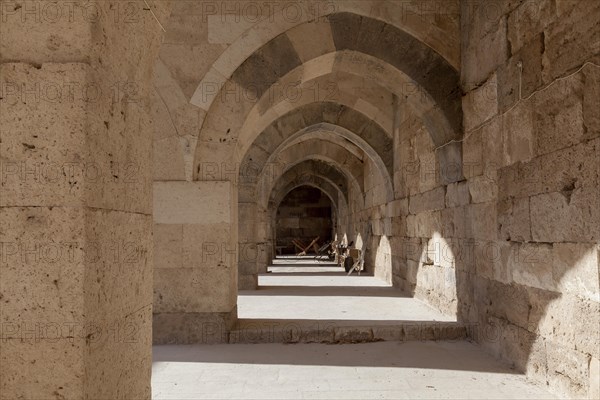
(192, 328)
(484, 43)
(569, 40)
(21, 358)
(405, 53)
(530, 264)
(560, 171)
(591, 99)
(44, 158)
(568, 370)
(431, 200)
(457, 194)
(566, 217)
(480, 104)
(192, 290)
(522, 74)
(558, 115)
(192, 202)
(482, 189)
(575, 269)
(514, 219)
(61, 33)
(517, 134)
(526, 20)
(594, 383)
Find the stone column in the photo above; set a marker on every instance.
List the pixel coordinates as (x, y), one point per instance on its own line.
(76, 202)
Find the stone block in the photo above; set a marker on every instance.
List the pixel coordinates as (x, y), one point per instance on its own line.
(59, 33)
(431, 200)
(525, 351)
(473, 154)
(168, 245)
(484, 46)
(570, 40)
(200, 202)
(568, 371)
(192, 328)
(481, 104)
(450, 160)
(575, 269)
(560, 171)
(522, 74)
(447, 223)
(190, 290)
(457, 194)
(208, 246)
(120, 354)
(492, 147)
(566, 217)
(558, 115)
(530, 264)
(44, 254)
(168, 159)
(397, 208)
(428, 224)
(44, 159)
(481, 222)
(353, 335)
(513, 219)
(22, 359)
(591, 99)
(499, 253)
(247, 282)
(518, 134)
(509, 302)
(567, 319)
(527, 20)
(594, 383)
(118, 274)
(482, 189)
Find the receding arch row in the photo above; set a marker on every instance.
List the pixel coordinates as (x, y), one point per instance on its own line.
(316, 149)
(330, 118)
(256, 230)
(327, 133)
(237, 123)
(270, 63)
(211, 148)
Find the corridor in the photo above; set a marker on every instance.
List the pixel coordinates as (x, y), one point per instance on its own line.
(351, 360)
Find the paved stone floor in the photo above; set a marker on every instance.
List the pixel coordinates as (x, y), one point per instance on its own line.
(383, 370)
(302, 290)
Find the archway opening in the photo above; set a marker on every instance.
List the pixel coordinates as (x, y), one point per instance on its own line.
(304, 216)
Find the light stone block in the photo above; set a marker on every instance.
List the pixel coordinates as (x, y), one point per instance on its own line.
(530, 264)
(200, 202)
(575, 269)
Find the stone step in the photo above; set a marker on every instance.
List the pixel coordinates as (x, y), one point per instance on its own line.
(324, 331)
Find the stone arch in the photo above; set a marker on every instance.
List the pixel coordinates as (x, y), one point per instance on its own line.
(352, 125)
(439, 33)
(278, 57)
(329, 153)
(255, 227)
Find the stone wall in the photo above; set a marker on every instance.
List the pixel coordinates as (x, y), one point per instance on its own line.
(532, 163)
(498, 229)
(76, 198)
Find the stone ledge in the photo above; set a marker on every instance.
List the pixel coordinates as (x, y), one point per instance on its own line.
(192, 328)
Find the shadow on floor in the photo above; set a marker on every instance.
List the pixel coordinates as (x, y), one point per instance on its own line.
(459, 356)
(324, 291)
